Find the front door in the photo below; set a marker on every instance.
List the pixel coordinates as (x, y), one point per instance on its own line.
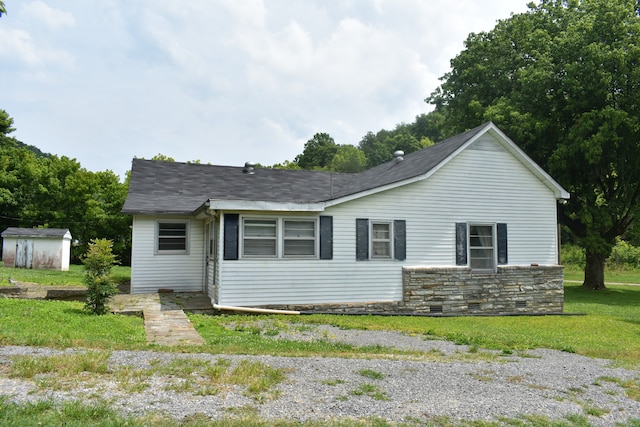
(210, 256)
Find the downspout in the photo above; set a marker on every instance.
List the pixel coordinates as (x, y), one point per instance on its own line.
(253, 310)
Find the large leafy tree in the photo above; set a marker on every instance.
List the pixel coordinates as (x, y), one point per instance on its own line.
(318, 152)
(379, 147)
(563, 81)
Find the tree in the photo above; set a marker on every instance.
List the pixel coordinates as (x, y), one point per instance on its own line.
(3, 10)
(318, 152)
(379, 148)
(563, 81)
(349, 159)
(38, 189)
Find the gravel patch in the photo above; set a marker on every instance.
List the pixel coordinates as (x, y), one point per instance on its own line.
(540, 382)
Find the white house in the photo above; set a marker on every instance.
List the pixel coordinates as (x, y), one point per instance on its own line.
(37, 248)
(468, 225)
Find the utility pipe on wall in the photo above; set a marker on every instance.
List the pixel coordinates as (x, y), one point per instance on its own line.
(254, 310)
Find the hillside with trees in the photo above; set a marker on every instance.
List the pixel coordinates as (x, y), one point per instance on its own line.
(44, 190)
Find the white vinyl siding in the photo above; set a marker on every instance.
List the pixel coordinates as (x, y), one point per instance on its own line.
(151, 271)
(482, 185)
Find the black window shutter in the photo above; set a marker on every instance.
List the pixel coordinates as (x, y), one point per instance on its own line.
(461, 243)
(326, 237)
(400, 239)
(362, 239)
(231, 224)
(502, 244)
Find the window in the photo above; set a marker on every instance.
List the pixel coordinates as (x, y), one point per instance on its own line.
(481, 247)
(380, 240)
(279, 238)
(260, 237)
(172, 237)
(299, 238)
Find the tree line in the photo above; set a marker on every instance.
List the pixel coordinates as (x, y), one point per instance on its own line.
(562, 80)
(43, 190)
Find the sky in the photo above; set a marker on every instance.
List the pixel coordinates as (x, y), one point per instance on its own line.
(223, 81)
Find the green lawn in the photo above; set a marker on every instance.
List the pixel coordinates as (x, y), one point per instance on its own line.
(575, 274)
(609, 329)
(73, 277)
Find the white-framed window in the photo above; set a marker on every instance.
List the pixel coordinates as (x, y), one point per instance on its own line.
(260, 236)
(299, 238)
(482, 253)
(172, 237)
(381, 239)
(279, 237)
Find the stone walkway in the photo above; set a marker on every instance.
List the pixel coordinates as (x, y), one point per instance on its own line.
(164, 319)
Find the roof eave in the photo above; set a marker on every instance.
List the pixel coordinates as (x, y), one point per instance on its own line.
(262, 205)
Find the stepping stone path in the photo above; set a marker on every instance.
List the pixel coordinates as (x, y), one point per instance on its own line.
(169, 327)
(164, 320)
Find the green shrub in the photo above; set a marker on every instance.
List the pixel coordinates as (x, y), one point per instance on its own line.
(97, 270)
(572, 255)
(624, 255)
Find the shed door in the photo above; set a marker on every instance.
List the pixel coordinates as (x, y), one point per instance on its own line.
(24, 253)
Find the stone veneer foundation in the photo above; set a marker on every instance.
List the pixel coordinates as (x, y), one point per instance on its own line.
(459, 291)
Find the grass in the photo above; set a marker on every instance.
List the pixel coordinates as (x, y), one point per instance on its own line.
(575, 274)
(610, 329)
(64, 324)
(73, 277)
(80, 414)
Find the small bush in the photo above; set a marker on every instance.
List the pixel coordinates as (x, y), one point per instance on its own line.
(624, 256)
(573, 255)
(97, 270)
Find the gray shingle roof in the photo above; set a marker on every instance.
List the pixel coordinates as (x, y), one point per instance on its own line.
(158, 187)
(34, 232)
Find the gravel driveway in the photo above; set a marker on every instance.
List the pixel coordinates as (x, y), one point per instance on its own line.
(449, 381)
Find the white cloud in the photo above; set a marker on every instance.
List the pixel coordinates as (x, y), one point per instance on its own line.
(48, 16)
(19, 49)
(223, 81)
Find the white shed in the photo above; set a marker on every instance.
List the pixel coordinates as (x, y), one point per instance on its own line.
(37, 248)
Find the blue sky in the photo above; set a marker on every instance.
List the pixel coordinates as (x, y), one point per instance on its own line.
(223, 81)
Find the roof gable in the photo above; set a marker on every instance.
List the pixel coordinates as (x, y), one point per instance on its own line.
(158, 187)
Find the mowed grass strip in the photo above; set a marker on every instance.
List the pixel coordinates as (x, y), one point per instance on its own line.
(73, 277)
(65, 324)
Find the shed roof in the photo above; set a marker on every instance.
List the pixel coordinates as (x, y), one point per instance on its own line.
(36, 232)
(158, 187)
